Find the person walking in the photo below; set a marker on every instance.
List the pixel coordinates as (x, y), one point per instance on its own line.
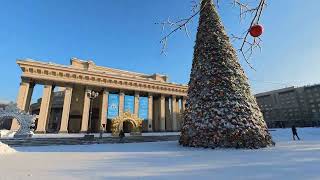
(121, 135)
(294, 132)
(101, 131)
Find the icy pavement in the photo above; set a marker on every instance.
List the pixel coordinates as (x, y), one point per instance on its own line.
(167, 160)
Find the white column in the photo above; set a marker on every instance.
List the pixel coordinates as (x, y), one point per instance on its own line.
(183, 105)
(44, 109)
(168, 115)
(150, 112)
(156, 114)
(66, 110)
(86, 111)
(174, 108)
(22, 95)
(104, 108)
(136, 103)
(162, 113)
(121, 102)
(23, 100)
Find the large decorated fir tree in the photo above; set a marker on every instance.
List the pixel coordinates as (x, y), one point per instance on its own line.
(220, 109)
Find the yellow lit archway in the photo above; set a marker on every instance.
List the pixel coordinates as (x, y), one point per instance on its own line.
(117, 123)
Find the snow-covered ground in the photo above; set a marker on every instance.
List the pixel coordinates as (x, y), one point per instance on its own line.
(61, 135)
(9, 134)
(167, 160)
(5, 149)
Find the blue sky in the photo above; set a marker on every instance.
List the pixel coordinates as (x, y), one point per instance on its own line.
(122, 34)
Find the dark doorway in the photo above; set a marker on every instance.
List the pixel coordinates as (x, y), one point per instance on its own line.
(127, 126)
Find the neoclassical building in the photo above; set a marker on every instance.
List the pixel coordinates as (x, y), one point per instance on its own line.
(65, 105)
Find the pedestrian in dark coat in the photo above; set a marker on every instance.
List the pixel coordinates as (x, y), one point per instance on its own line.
(121, 135)
(294, 132)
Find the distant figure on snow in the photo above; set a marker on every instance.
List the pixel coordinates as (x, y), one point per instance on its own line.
(294, 132)
(121, 135)
(101, 131)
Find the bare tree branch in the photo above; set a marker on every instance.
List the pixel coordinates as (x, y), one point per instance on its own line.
(178, 25)
(247, 47)
(248, 44)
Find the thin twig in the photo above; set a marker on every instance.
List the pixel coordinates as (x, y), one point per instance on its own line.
(179, 25)
(247, 46)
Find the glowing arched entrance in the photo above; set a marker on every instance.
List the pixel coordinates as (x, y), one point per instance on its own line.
(117, 123)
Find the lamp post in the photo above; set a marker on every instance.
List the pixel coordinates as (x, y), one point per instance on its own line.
(92, 95)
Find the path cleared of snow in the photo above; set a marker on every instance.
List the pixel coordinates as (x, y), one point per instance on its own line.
(167, 160)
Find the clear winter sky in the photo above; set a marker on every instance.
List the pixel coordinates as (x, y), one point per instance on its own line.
(122, 34)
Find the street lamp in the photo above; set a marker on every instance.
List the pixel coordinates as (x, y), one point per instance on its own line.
(92, 95)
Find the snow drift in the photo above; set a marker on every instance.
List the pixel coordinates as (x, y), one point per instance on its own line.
(5, 149)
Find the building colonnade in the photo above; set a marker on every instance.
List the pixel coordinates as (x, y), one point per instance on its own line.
(163, 110)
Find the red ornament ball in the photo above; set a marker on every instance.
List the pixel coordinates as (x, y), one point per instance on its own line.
(256, 30)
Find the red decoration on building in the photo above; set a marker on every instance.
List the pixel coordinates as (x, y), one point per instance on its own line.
(256, 30)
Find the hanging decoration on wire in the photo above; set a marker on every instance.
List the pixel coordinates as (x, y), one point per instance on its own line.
(256, 30)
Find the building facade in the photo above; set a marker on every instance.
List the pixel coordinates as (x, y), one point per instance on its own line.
(291, 106)
(151, 98)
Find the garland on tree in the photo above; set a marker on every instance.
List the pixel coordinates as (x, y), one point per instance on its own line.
(220, 109)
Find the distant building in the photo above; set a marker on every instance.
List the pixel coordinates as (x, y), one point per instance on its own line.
(84, 97)
(291, 106)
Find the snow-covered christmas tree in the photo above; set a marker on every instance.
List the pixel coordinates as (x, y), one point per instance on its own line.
(220, 109)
